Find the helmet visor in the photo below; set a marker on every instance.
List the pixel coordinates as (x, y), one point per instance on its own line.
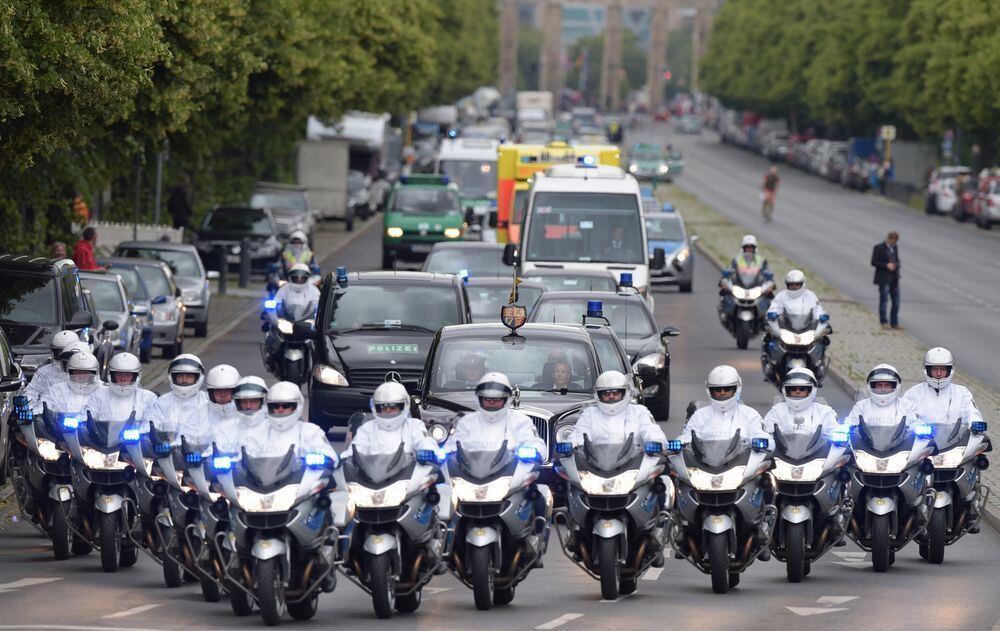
(388, 409)
(611, 396)
(793, 286)
(938, 372)
(123, 378)
(249, 405)
(298, 278)
(797, 391)
(492, 404)
(220, 396)
(281, 409)
(882, 387)
(82, 376)
(722, 393)
(183, 378)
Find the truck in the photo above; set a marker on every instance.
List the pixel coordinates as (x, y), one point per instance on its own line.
(534, 106)
(471, 163)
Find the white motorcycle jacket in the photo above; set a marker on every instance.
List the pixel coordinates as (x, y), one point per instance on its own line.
(478, 432)
(45, 377)
(372, 438)
(307, 438)
(708, 423)
(789, 421)
(298, 303)
(950, 403)
(236, 431)
(187, 417)
(805, 303)
(107, 405)
(62, 398)
(882, 415)
(601, 428)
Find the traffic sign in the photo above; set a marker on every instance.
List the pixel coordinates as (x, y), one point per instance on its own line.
(888, 132)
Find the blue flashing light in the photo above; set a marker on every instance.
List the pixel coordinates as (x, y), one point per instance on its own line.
(342, 275)
(315, 460)
(71, 423)
(131, 435)
(825, 317)
(923, 430)
(772, 315)
(20, 401)
(675, 445)
(161, 449)
(979, 427)
(192, 458)
(270, 305)
(527, 453)
(222, 463)
(464, 275)
(759, 444)
(452, 133)
(653, 448)
(564, 449)
(595, 309)
(726, 273)
(626, 279)
(840, 437)
(667, 207)
(24, 415)
(429, 456)
(587, 161)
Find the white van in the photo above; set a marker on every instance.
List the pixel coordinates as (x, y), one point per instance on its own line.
(471, 163)
(586, 216)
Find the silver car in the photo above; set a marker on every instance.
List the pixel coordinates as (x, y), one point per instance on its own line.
(289, 204)
(666, 230)
(166, 306)
(112, 302)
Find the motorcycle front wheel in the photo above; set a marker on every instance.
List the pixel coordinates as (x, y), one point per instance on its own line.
(382, 584)
(270, 591)
(742, 335)
(718, 561)
(62, 536)
(607, 567)
(795, 552)
(936, 531)
(881, 552)
(481, 569)
(110, 541)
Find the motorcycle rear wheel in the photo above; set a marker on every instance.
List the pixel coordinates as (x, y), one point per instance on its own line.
(270, 591)
(880, 543)
(795, 552)
(62, 536)
(382, 584)
(110, 541)
(607, 567)
(718, 560)
(936, 531)
(481, 569)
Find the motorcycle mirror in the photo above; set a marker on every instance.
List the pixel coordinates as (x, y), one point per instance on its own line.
(510, 255)
(110, 325)
(824, 318)
(726, 273)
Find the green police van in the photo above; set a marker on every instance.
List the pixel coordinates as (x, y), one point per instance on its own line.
(421, 211)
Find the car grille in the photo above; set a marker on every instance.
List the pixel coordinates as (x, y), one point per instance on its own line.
(880, 481)
(710, 498)
(797, 489)
(482, 510)
(367, 379)
(608, 502)
(268, 521)
(378, 515)
(542, 427)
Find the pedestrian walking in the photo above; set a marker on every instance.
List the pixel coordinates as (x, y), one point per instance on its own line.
(83, 251)
(885, 260)
(179, 204)
(768, 192)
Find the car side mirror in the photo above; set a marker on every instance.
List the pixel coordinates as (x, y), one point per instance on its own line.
(470, 215)
(659, 258)
(15, 382)
(669, 331)
(140, 310)
(212, 275)
(510, 255)
(494, 219)
(110, 325)
(303, 330)
(81, 319)
(159, 300)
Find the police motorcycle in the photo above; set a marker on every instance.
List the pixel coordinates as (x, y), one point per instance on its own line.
(744, 299)
(959, 495)
(811, 496)
(148, 498)
(276, 273)
(890, 490)
(721, 520)
(101, 487)
(796, 341)
(617, 507)
(284, 355)
(281, 530)
(41, 477)
(493, 540)
(399, 525)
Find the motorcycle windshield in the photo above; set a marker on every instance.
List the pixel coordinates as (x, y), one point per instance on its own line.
(948, 434)
(882, 437)
(296, 311)
(483, 465)
(716, 452)
(748, 277)
(378, 468)
(265, 472)
(160, 436)
(105, 434)
(609, 457)
(798, 322)
(798, 446)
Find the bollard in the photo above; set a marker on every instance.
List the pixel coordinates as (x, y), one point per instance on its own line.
(221, 266)
(244, 263)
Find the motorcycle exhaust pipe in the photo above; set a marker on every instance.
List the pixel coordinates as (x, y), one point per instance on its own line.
(854, 528)
(307, 574)
(693, 547)
(906, 528)
(822, 537)
(416, 567)
(747, 547)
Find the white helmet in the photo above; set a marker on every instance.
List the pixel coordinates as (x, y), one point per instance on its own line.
(298, 277)
(284, 393)
(221, 377)
(71, 349)
(81, 370)
(494, 385)
(748, 239)
(124, 364)
(939, 356)
(250, 389)
(390, 394)
(884, 373)
(60, 341)
(186, 364)
(300, 235)
(612, 381)
(724, 377)
(801, 377)
(793, 277)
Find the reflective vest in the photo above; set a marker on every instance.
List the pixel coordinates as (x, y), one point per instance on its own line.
(289, 258)
(743, 267)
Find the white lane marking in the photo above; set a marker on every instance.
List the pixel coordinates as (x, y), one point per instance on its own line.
(131, 612)
(13, 586)
(619, 599)
(560, 621)
(829, 601)
(857, 560)
(66, 627)
(652, 574)
(812, 611)
(430, 591)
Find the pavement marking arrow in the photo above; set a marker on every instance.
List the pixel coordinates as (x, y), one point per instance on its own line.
(560, 621)
(812, 611)
(653, 574)
(829, 601)
(131, 612)
(25, 582)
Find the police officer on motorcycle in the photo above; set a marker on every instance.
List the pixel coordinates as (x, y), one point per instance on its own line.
(72, 394)
(285, 427)
(795, 298)
(298, 298)
(883, 406)
(747, 260)
(725, 414)
(184, 409)
(296, 252)
(52, 372)
(123, 394)
(614, 417)
(220, 385)
(799, 413)
(248, 426)
(937, 398)
(392, 426)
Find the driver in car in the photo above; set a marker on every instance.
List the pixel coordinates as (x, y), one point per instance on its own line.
(618, 250)
(468, 372)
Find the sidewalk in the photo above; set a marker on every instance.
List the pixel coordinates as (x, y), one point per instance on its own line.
(859, 343)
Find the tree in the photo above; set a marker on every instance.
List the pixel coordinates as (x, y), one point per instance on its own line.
(529, 50)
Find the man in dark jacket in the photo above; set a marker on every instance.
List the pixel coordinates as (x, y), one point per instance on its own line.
(885, 260)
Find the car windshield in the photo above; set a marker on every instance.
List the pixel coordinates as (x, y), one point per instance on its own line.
(105, 295)
(475, 178)
(588, 227)
(182, 263)
(27, 299)
(477, 261)
(535, 365)
(290, 201)
(629, 319)
(575, 282)
(424, 200)
(646, 155)
(156, 280)
(664, 229)
(241, 221)
(132, 284)
(377, 307)
(485, 301)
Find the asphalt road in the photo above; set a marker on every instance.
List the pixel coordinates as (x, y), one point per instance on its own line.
(949, 281)
(842, 589)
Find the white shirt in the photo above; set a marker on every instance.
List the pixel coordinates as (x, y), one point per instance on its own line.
(476, 432)
(372, 438)
(233, 433)
(601, 428)
(806, 302)
(950, 403)
(44, 378)
(888, 415)
(709, 424)
(805, 422)
(105, 404)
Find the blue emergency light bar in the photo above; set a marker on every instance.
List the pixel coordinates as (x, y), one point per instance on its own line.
(315, 460)
(588, 161)
(675, 445)
(923, 430)
(222, 463)
(595, 309)
(71, 423)
(626, 279)
(342, 275)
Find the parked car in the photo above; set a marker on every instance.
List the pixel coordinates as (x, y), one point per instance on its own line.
(858, 174)
(11, 383)
(141, 298)
(189, 274)
(38, 298)
(229, 226)
(942, 189)
(986, 209)
(965, 207)
(832, 160)
(689, 124)
(113, 304)
(775, 146)
(166, 306)
(290, 206)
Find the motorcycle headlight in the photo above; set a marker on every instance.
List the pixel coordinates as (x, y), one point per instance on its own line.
(329, 375)
(620, 484)
(655, 361)
(439, 433)
(493, 491)
(873, 464)
(253, 502)
(48, 450)
(797, 339)
(452, 233)
(726, 481)
(364, 497)
(950, 459)
(741, 293)
(284, 326)
(94, 459)
(808, 472)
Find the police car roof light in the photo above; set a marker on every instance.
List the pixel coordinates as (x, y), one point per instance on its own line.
(626, 279)
(342, 275)
(667, 207)
(587, 161)
(452, 134)
(595, 309)
(464, 275)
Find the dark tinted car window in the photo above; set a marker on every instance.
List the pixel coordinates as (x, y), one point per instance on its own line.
(30, 299)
